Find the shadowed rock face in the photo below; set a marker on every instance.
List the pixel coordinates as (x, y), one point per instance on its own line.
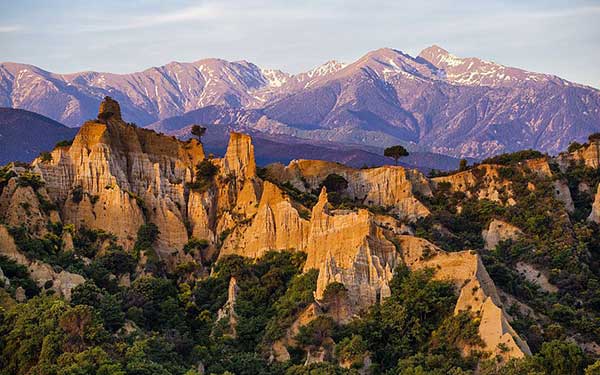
(116, 177)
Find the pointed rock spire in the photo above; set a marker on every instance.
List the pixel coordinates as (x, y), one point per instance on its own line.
(239, 158)
(322, 203)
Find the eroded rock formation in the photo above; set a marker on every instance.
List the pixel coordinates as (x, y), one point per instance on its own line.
(499, 231)
(117, 177)
(388, 186)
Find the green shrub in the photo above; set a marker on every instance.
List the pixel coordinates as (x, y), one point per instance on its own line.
(205, 173)
(64, 143)
(31, 179)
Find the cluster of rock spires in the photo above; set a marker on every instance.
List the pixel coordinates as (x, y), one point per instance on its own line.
(116, 177)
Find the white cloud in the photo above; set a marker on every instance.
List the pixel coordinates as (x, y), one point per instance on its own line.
(193, 13)
(10, 28)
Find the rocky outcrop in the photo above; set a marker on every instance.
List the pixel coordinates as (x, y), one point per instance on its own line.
(535, 276)
(20, 205)
(4, 281)
(43, 274)
(595, 214)
(279, 347)
(477, 292)
(482, 182)
(116, 177)
(351, 249)
(499, 231)
(563, 194)
(227, 312)
(388, 186)
(589, 155)
(347, 247)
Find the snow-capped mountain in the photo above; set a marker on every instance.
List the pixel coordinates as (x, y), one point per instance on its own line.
(433, 102)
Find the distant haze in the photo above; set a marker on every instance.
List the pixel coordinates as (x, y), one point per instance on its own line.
(557, 37)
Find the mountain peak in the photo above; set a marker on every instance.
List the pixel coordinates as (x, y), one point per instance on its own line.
(433, 50)
(328, 67)
(440, 57)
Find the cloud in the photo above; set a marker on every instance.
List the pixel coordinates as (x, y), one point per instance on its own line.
(568, 12)
(10, 28)
(193, 13)
(237, 12)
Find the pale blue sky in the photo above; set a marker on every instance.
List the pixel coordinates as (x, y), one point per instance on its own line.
(558, 37)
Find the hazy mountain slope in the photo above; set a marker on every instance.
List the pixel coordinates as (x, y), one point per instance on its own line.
(24, 134)
(220, 120)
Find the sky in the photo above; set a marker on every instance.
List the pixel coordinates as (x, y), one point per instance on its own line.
(552, 36)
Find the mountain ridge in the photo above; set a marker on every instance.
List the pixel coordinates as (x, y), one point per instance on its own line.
(436, 101)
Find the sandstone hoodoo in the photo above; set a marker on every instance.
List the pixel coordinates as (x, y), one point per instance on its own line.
(307, 262)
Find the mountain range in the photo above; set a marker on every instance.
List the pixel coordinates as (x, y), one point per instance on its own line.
(435, 102)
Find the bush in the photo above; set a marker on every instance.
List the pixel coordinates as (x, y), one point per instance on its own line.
(28, 178)
(146, 236)
(64, 143)
(574, 146)
(514, 157)
(45, 156)
(205, 172)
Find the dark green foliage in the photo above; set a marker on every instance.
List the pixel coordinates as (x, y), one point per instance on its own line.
(574, 146)
(594, 137)
(395, 152)
(87, 241)
(146, 237)
(64, 143)
(514, 157)
(556, 357)
(77, 194)
(298, 295)
(37, 332)
(352, 349)
(463, 165)
(18, 275)
(324, 368)
(6, 173)
(45, 156)
(46, 248)
(307, 199)
(198, 131)
(205, 173)
(31, 179)
(197, 248)
(157, 302)
(117, 261)
(402, 325)
(108, 305)
(314, 334)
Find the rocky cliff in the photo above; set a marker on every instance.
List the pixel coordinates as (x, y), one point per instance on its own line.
(117, 177)
(388, 186)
